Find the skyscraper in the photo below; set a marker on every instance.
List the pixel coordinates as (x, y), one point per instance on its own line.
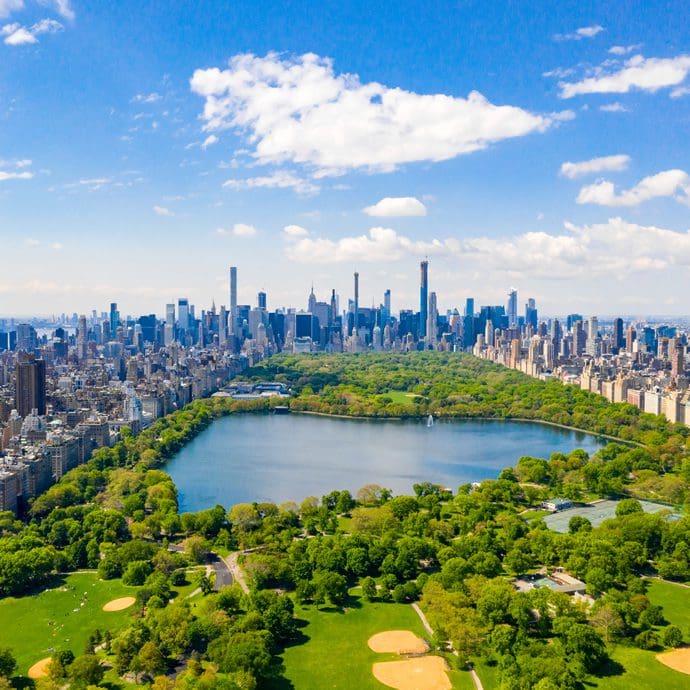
(114, 319)
(233, 300)
(82, 350)
(617, 335)
(169, 333)
(183, 313)
(261, 300)
(356, 315)
(30, 387)
(432, 320)
(423, 297)
(512, 307)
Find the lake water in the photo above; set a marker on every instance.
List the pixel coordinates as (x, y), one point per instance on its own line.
(252, 457)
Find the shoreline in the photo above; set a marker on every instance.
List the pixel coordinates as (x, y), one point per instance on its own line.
(526, 420)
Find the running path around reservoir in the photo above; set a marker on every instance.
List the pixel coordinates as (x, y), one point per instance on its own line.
(475, 678)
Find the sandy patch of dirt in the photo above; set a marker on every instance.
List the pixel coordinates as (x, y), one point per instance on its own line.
(119, 604)
(397, 642)
(40, 668)
(678, 659)
(423, 673)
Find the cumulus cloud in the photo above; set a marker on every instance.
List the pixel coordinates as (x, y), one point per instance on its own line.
(615, 107)
(595, 165)
(624, 50)
(579, 34)
(294, 231)
(162, 211)
(289, 109)
(379, 245)
(64, 8)
(645, 74)
(392, 207)
(146, 97)
(13, 175)
(237, 230)
(17, 35)
(281, 179)
(663, 184)
(9, 6)
(680, 91)
(210, 140)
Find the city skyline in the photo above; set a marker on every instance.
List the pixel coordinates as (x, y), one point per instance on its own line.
(512, 147)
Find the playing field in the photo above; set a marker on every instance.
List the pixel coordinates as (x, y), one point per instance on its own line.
(61, 617)
(335, 654)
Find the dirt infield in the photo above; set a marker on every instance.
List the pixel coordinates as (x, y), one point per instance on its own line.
(423, 673)
(40, 668)
(397, 642)
(119, 604)
(678, 659)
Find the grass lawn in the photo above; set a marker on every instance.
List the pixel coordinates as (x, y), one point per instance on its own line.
(675, 600)
(642, 671)
(489, 675)
(402, 398)
(34, 625)
(335, 655)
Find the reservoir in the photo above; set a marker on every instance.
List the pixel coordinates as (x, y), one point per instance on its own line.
(244, 458)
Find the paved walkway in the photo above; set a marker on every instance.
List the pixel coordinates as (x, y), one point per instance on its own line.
(234, 567)
(475, 678)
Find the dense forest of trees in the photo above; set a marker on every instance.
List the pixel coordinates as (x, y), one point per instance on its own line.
(453, 551)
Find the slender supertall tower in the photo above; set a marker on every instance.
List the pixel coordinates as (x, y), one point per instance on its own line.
(232, 321)
(356, 321)
(423, 297)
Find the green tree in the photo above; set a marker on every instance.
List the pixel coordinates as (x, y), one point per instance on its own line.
(86, 670)
(7, 662)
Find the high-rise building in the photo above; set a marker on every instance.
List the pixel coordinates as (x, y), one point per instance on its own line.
(512, 307)
(617, 335)
(114, 318)
(531, 314)
(432, 320)
(183, 313)
(386, 311)
(423, 298)
(169, 333)
(30, 387)
(356, 313)
(592, 348)
(82, 342)
(232, 322)
(261, 300)
(630, 336)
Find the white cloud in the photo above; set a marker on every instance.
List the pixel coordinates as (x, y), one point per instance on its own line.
(392, 207)
(162, 211)
(238, 230)
(579, 34)
(64, 8)
(4, 175)
(380, 245)
(615, 107)
(645, 74)
(624, 50)
(17, 35)
(680, 91)
(209, 141)
(595, 165)
(281, 179)
(289, 110)
(663, 184)
(9, 6)
(30, 242)
(56, 246)
(146, 98)
(293, 231)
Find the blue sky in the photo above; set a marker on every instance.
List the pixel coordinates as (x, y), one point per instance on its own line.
(147, 146)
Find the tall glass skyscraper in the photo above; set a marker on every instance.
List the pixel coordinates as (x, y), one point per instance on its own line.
(423, 297)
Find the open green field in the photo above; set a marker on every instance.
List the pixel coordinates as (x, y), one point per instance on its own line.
(61, 617)
(402, 398)
(642, 671)
(335, 654)
(675, 600)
